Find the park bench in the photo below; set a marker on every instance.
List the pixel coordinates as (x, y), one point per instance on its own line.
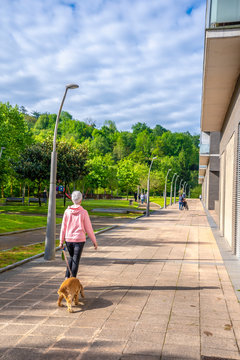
(14, 199)
(36, 200)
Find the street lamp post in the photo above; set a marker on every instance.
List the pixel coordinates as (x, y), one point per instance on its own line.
(180, 186)
(171, 187)
(51, 219)
(165, 192)
(175, 189)
(2, 148)
(184, 186)
(148, 185)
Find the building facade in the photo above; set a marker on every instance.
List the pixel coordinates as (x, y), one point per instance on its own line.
(219, 164)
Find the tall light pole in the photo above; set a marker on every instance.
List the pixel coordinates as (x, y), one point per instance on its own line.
(51, 219)
(175, 189)
(165, 191)
(184, 186)
(186, 189)
(148, 185)
(2, 148)
(180, 186)
(171, 187)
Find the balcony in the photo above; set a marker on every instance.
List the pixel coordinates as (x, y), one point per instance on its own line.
(204, 149)
(221, 61)
(221, 13)
(202, 170)
(204, 154)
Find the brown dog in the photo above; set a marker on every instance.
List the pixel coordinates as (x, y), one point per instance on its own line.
(70, 290)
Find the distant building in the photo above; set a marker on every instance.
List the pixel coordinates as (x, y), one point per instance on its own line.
(219, 164)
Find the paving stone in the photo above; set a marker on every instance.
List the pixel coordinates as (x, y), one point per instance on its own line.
(54, 354)
(28, 319)
(143, 348)
(182, 339)
(148, 336)
(81, 333)
(49, 330)
(100, 346)
(219, 354)
(16, 329)
(7, 341)
(37, 341)
(181, 352)
(219, 343)
(139, 357)
(70, 343)
(92, 355)
(24, 354)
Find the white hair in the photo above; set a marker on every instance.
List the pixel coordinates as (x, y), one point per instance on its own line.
(76, 196)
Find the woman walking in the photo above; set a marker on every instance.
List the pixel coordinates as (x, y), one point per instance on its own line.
(76, 223)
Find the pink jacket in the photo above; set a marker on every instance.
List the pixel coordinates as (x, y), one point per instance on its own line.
(75, 224)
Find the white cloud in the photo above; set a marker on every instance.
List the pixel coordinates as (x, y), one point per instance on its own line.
(134, 60)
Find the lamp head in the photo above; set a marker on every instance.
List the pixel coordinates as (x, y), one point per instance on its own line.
(72, 86)
(155, 157)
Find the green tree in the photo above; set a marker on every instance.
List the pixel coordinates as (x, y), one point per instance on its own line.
(128, 177)
(124, 145)
(34, 164)
(14, 136)
(100, 145)
(140, 127)
(71, 165)
(46, 121)
(144, 144)
(101, 172)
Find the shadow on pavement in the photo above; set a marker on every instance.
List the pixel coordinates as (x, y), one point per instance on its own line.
(152, 287)
(97, 351)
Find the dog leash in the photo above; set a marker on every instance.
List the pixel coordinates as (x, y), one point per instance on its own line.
(66, 260)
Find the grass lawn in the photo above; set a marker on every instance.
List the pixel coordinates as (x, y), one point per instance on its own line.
(19, 253)
(12, 222)
(16, 220)
(87, 204)
(160, 200)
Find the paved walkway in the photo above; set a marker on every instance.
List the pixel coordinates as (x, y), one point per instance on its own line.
(156, 289)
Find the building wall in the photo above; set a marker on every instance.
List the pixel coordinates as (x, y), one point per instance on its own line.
(232, 118)
(213, 189)
(228, 192)
(228, 170)
(205, 189)
(221, 193)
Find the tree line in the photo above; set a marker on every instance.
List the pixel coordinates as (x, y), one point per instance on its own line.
(94, 160)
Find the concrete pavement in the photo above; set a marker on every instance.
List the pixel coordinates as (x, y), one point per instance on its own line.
(156, 289)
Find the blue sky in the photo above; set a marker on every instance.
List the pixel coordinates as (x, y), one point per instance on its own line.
(134, 60)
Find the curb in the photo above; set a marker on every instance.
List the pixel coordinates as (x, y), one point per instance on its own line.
(23, 231)
(12, 266)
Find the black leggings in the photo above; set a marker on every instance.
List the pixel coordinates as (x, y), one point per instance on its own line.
(75, 251)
